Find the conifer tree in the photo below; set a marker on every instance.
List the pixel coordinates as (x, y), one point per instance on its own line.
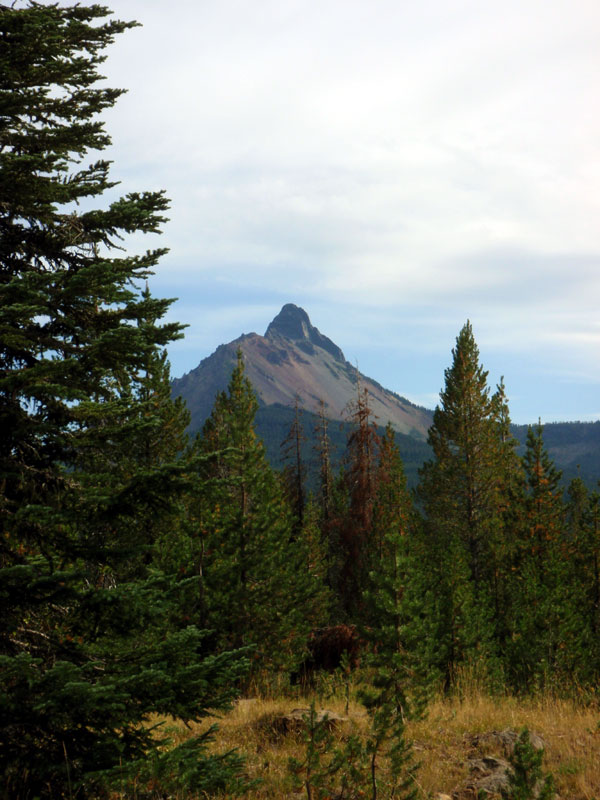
(461, 491)
(586, 566)
(537, 597)
(392, 510)
(356, 545)
(396, 629)
(87, 651)
(526, 781)
(508, 501)
(330, 504)
(262, 588)
(575, 507)
(578, 655)
(323, 448)
(544, 507)
(294, 472)
(463, 438)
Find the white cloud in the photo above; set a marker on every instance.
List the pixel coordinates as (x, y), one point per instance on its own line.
(439, 158)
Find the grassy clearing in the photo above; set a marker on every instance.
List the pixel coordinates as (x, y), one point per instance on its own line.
(571, 734)
(442, 741)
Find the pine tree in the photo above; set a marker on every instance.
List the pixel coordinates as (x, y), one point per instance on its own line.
(525, 779)
(463, 438)
(330, 504)
(544, 499)
(323, 448)
(539, 610)
(508, 501)
(587, 577)
(392, 510)
(576, 602)
(87, 650)
(356, 545)
(294, 473)
(575, 508)
(397, 629)
(578, 654)
(462, 494)
(262, 588)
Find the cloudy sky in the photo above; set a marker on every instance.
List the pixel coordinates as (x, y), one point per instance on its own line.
(394, 167)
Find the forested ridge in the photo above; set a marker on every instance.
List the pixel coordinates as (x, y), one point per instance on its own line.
(146, 576)
(573, 446)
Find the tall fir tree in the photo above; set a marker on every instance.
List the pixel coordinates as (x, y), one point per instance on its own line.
(87, 651)
(539, 610)
(461, 491)
(262, 585)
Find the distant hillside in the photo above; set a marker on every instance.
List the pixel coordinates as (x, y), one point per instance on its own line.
(274, 422)
(574, 447)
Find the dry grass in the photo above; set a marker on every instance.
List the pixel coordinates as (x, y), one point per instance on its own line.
(441, 741)
(571, 734)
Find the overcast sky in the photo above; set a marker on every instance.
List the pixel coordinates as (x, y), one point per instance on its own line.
(394, 167)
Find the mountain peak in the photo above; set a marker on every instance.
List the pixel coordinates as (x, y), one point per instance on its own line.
(293, 359)
(293, 323)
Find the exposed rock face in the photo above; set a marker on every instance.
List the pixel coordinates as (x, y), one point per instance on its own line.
(292, 323)
(292, 359)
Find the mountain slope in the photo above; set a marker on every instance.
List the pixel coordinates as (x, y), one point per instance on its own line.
(292, 359)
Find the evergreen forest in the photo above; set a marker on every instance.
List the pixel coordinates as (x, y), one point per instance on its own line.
(146, 576)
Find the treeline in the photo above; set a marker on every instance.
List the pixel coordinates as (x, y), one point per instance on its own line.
(143, 576)
(573, 446)
(273, 424)
(497, 564)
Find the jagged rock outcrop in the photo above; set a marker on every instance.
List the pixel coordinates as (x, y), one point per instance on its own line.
(292, 323)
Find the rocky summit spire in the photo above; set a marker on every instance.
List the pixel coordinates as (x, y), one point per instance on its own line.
(293, 323)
